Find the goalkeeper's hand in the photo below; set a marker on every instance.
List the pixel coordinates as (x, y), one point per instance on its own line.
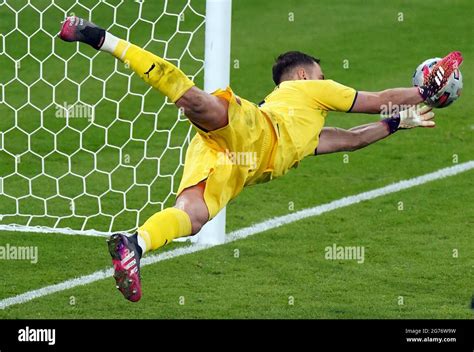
(417, 116)
(436, 80)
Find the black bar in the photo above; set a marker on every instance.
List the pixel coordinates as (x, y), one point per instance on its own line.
(321, 335)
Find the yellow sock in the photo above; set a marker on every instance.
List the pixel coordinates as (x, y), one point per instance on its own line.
(163, 227)
(159, 73)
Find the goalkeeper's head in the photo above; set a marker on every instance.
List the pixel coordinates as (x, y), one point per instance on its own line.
(295, 65)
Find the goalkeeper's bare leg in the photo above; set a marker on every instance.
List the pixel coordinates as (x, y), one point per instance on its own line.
(206, 111)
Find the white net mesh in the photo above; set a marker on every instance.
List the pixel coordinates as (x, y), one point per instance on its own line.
(85, 144)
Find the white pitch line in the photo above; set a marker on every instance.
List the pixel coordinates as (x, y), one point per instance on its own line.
(46, 229)
(247, 231)
(350, 200)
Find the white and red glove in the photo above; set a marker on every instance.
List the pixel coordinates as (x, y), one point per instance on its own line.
(436, 80)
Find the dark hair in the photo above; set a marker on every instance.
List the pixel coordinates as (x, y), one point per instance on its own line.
(289, 60)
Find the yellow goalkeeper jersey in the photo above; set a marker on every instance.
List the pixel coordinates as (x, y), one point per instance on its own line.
(261, 143)
(298, 110)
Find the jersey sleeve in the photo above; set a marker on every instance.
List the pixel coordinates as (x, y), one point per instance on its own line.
(330, 96)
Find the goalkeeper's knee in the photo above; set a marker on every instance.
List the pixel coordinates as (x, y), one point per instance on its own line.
(192, 202)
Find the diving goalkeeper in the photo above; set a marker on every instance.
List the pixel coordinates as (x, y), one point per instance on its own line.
(282, 130)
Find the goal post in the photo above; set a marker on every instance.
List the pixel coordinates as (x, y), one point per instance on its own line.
(216, 75)
(85, 146)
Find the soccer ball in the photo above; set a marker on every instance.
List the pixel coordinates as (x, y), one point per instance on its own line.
(449, 94)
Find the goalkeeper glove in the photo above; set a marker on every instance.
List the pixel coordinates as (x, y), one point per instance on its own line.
(436, 80)
(417, 116)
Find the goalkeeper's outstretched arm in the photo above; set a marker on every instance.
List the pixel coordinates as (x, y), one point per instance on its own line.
(434, 84)
(376, 102)
(332, 140)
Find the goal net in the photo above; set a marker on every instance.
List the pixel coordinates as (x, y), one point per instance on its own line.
(85, 145)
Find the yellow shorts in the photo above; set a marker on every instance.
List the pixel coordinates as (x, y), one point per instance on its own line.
(234, 156)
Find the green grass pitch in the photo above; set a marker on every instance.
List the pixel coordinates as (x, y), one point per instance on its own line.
(418, 261)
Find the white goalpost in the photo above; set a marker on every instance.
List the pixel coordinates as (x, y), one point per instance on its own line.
(84, 147)
(216, 75)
